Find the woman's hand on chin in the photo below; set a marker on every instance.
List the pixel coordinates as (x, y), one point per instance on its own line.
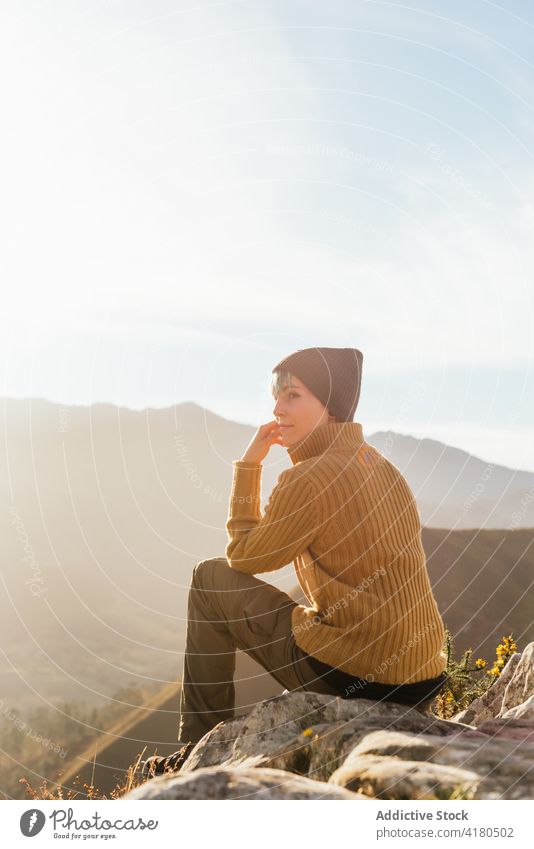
(267, 435)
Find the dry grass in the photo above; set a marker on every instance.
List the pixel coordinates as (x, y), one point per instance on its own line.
(132, 779)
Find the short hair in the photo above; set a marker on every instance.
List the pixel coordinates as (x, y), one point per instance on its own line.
(279, 381)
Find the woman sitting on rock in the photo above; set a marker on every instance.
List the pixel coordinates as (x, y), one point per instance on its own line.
(345, 515)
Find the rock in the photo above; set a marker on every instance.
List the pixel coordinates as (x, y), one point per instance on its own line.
(509, 728)
(523, 711)
(239, 783)
(249, 740)
(392, 778)
(471, 767)
(520, 687)
(307, 733)
(320, 753)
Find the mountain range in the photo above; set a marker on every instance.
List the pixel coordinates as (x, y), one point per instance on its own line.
(106, 510)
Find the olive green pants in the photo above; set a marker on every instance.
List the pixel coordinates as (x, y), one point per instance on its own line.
(230, 610)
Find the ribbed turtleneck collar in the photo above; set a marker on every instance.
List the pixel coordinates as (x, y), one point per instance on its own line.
(339, 436)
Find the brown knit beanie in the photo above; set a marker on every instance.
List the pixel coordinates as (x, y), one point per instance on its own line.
(333, 375)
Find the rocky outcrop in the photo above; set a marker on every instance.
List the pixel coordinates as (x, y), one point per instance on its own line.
(242, 783)
(306, 745)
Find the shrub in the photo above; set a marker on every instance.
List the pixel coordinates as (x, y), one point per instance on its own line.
(466, 680)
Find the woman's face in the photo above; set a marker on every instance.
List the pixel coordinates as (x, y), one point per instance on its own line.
(301, 412)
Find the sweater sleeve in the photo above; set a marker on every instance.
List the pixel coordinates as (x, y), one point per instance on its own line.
(264, 543)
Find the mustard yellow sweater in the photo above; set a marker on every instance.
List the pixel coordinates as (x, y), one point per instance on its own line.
(345, 515)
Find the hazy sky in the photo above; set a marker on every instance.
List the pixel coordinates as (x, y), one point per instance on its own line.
(191, 191)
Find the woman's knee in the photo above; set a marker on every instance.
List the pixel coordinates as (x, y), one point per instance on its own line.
(205, 571)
